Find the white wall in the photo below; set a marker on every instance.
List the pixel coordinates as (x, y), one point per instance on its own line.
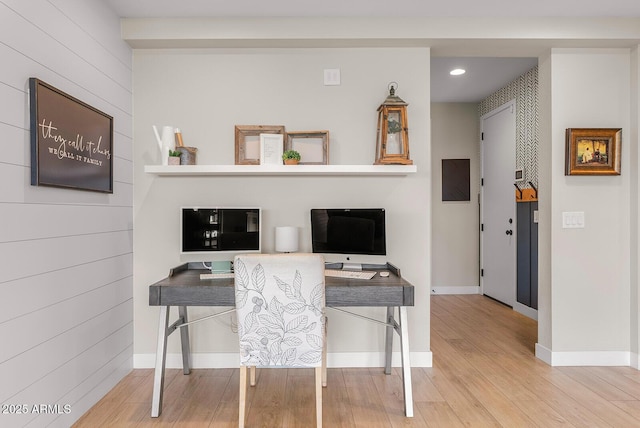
(66, 276)
(634, 301)
(590, 267)
(454, 236)
(544, 204)
(206, 93)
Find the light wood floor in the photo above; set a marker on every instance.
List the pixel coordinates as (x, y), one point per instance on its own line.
(484, 374)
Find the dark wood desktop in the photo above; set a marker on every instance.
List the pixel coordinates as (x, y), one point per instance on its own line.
(183, 287)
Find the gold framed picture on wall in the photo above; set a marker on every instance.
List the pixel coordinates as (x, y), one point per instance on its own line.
(593, 151)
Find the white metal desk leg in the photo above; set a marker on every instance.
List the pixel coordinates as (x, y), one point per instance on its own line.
(406, 362)
(388, 345)
(161, 358)
(184, 339)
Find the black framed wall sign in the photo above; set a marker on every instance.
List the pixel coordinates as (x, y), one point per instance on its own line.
(456, 178)
(71, 142)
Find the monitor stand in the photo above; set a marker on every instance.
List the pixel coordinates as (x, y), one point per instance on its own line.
(352, 266)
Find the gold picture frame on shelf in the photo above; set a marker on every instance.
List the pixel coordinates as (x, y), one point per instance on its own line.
(313, 146)
(247, 137)
(592, 151)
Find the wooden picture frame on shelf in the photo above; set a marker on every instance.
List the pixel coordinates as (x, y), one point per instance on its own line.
(313, 146)
(592, 151)
(247, 142)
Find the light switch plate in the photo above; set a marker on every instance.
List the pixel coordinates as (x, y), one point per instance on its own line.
(573, 220)
(331, 76)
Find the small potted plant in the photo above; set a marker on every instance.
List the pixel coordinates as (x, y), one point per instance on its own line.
(291, 157)
(174, 157)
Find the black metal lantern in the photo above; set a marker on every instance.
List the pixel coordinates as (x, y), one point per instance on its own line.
(392, 145)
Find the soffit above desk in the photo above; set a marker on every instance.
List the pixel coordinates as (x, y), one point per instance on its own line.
(445, 36)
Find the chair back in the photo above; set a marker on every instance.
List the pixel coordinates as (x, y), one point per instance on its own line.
(280, 301)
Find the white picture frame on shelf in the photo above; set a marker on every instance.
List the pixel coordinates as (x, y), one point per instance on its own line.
(271, 148)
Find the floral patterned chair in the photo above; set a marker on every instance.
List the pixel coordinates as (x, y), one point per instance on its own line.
(280, 305)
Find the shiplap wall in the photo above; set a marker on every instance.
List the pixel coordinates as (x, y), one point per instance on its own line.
(66, 317)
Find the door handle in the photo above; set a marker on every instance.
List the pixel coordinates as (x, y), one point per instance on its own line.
(509, 232)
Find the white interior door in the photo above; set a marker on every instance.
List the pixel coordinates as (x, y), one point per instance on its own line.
(498, 205)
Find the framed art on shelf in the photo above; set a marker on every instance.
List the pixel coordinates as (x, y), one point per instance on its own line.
(592, 151)
(313, 146)
(247, 151)
(271, 149)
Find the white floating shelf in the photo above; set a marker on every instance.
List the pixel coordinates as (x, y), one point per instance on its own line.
(240, 170)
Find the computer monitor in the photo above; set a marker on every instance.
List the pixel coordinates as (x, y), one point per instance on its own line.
(347, 232)
(220, 230)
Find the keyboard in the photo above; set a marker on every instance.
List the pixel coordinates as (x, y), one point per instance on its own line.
(352, 274)
(217, 275)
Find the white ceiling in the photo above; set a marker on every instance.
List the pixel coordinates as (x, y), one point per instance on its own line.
(258, 8)
(484, 75)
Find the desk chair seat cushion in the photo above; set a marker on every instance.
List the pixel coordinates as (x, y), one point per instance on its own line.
(280, 302)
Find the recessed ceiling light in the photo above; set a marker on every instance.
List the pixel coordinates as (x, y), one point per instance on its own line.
(457, 71)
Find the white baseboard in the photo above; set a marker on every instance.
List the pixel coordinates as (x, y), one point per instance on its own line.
(583, 358)
(465, 289)
(335, 359)
(542, 353)
(526, 311)
(635, 361)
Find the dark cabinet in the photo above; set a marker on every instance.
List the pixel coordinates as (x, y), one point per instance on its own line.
(527, 254)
